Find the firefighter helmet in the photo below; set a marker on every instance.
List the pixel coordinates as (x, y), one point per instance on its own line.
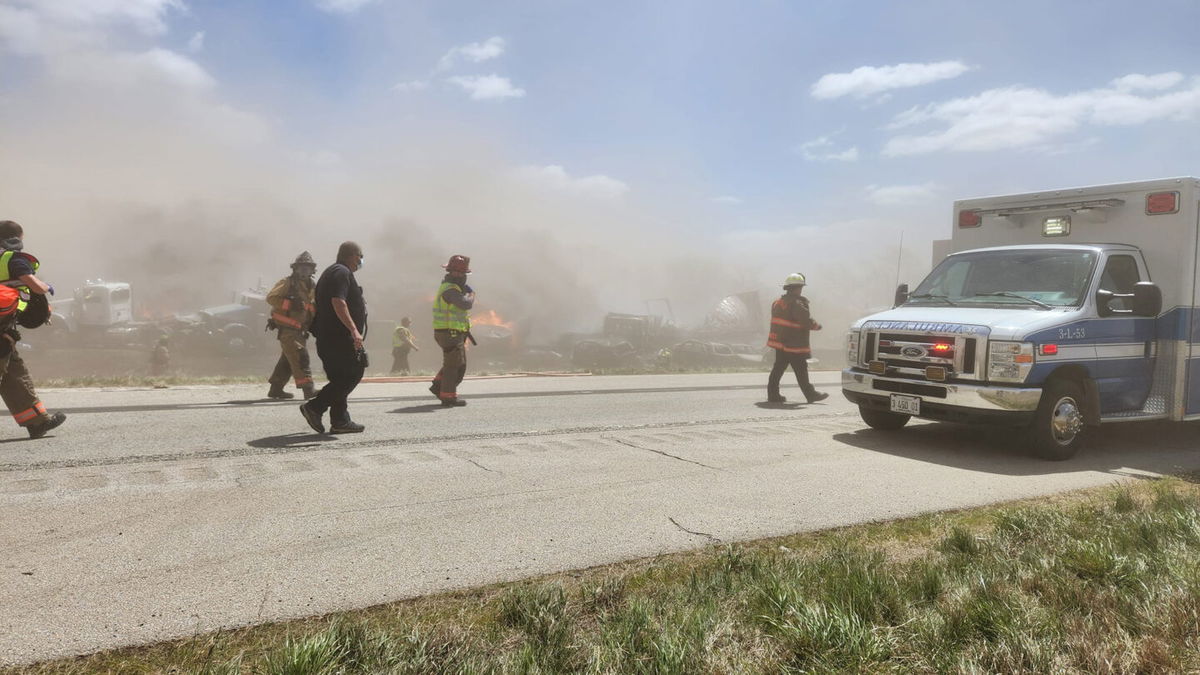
(459, 264)
(305, 258)
(794, 279)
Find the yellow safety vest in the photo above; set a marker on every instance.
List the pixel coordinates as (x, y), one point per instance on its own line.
(23, 290)
(445, 315)
(401, 337)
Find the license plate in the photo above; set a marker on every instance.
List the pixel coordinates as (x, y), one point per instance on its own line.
(909, 405)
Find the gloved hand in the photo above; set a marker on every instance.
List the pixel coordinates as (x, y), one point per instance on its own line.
(50, 290)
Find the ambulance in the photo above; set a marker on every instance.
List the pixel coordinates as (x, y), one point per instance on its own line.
(1055, 312)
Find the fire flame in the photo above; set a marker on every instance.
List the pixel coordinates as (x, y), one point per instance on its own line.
(491, 318)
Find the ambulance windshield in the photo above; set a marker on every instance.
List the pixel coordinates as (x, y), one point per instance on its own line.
(1033, 278)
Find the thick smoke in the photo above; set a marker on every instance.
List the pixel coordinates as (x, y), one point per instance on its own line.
(135, 167)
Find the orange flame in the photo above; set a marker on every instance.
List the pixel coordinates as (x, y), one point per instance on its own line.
(491, 318)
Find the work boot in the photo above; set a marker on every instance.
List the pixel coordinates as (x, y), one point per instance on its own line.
(52, 422)
(776, 398)
(453, 403)
(309, 391)
(435, 389)
(279, 394)
(817, 396)
(347, 427)
(313, 418)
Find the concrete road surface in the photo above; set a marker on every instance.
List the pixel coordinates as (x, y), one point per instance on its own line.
(155, 514)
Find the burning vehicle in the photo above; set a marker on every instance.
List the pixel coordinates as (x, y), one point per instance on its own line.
(99, 314)
(234, 329)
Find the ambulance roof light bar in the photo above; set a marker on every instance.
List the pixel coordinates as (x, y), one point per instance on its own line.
(1006, 211)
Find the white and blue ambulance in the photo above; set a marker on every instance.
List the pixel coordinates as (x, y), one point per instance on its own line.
(1054, 311)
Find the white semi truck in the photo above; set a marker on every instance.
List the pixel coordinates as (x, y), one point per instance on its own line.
(1053, 311)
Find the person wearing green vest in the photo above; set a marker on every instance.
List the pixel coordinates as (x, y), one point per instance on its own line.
(452, 328)
(16, 386)
(403, 342)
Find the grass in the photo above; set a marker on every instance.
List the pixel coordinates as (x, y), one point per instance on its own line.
(1100, 581)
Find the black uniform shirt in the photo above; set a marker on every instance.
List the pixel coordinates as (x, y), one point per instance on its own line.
(337, 281)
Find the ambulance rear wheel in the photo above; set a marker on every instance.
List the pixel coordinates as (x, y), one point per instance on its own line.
(884, 420)
(1057, 432)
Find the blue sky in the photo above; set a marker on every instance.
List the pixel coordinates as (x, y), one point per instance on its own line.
(733, 122)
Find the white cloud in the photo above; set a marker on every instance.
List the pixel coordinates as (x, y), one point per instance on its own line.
(1019, 117)
(196, 44)
(555, 178)
(822, 150)
(728, 200)
(341, 6)
(411, 86)
(1154, 82)
(487, 87)
(867, 81)
(902, 195)
(475, 52)
(147, 16)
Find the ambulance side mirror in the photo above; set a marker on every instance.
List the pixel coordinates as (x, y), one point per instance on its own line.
(1103, 302)
(1147, 299)
(901, 295)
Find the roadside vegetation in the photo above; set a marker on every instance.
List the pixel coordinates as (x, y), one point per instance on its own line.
(1100, 581)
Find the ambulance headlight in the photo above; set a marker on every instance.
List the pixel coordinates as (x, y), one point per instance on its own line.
(1009, 361)
(852, 348)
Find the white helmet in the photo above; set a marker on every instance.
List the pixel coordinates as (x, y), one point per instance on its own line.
(794, 279)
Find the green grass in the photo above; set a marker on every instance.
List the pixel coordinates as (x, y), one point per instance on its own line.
(1101, 581)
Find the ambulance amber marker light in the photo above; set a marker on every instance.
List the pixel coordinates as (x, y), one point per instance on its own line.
(942, 347)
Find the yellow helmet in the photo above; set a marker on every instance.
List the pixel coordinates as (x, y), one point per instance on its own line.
(794, 279)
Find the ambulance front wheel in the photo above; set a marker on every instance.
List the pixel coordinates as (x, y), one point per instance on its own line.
(884, 420)
(1057, 431)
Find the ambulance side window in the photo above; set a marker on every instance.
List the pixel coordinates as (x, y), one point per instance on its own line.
(1120, 276)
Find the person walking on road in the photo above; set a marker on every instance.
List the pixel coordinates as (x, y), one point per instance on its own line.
(790, 326)
(403, 342)
(339, 325)
(291, 300)
(18, 270)
(452, 329)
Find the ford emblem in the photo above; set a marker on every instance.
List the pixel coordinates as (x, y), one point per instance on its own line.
(913, 352)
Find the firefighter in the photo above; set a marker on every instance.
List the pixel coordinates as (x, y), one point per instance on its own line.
(160, 357)
(790, 326)
(291, 301)
(452, 329)
(403, 342)
(16, 386)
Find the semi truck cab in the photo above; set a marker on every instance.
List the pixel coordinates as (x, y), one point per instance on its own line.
(1053, 312)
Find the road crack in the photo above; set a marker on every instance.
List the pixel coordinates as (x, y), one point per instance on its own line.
(467, 459)
(660, 452)
(710, 537)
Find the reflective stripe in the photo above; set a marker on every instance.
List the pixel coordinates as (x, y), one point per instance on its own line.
(30, 414)
(776, 321)
(445, 315)
(23, 300)
(301, 381)
(285, 305)
(789, 350)
(286, 321)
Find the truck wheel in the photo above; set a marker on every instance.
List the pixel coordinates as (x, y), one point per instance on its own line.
(884, 420)
(1057, 431)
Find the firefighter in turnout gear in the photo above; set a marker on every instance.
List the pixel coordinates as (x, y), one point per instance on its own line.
(291, 301)
(18, 271)
(403, 342)
(790, 326)
(452, 329)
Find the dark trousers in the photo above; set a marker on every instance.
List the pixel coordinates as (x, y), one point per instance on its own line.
(16, 388)
(344, 373)
(454, 363)
(400, 359)
(799, 364)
